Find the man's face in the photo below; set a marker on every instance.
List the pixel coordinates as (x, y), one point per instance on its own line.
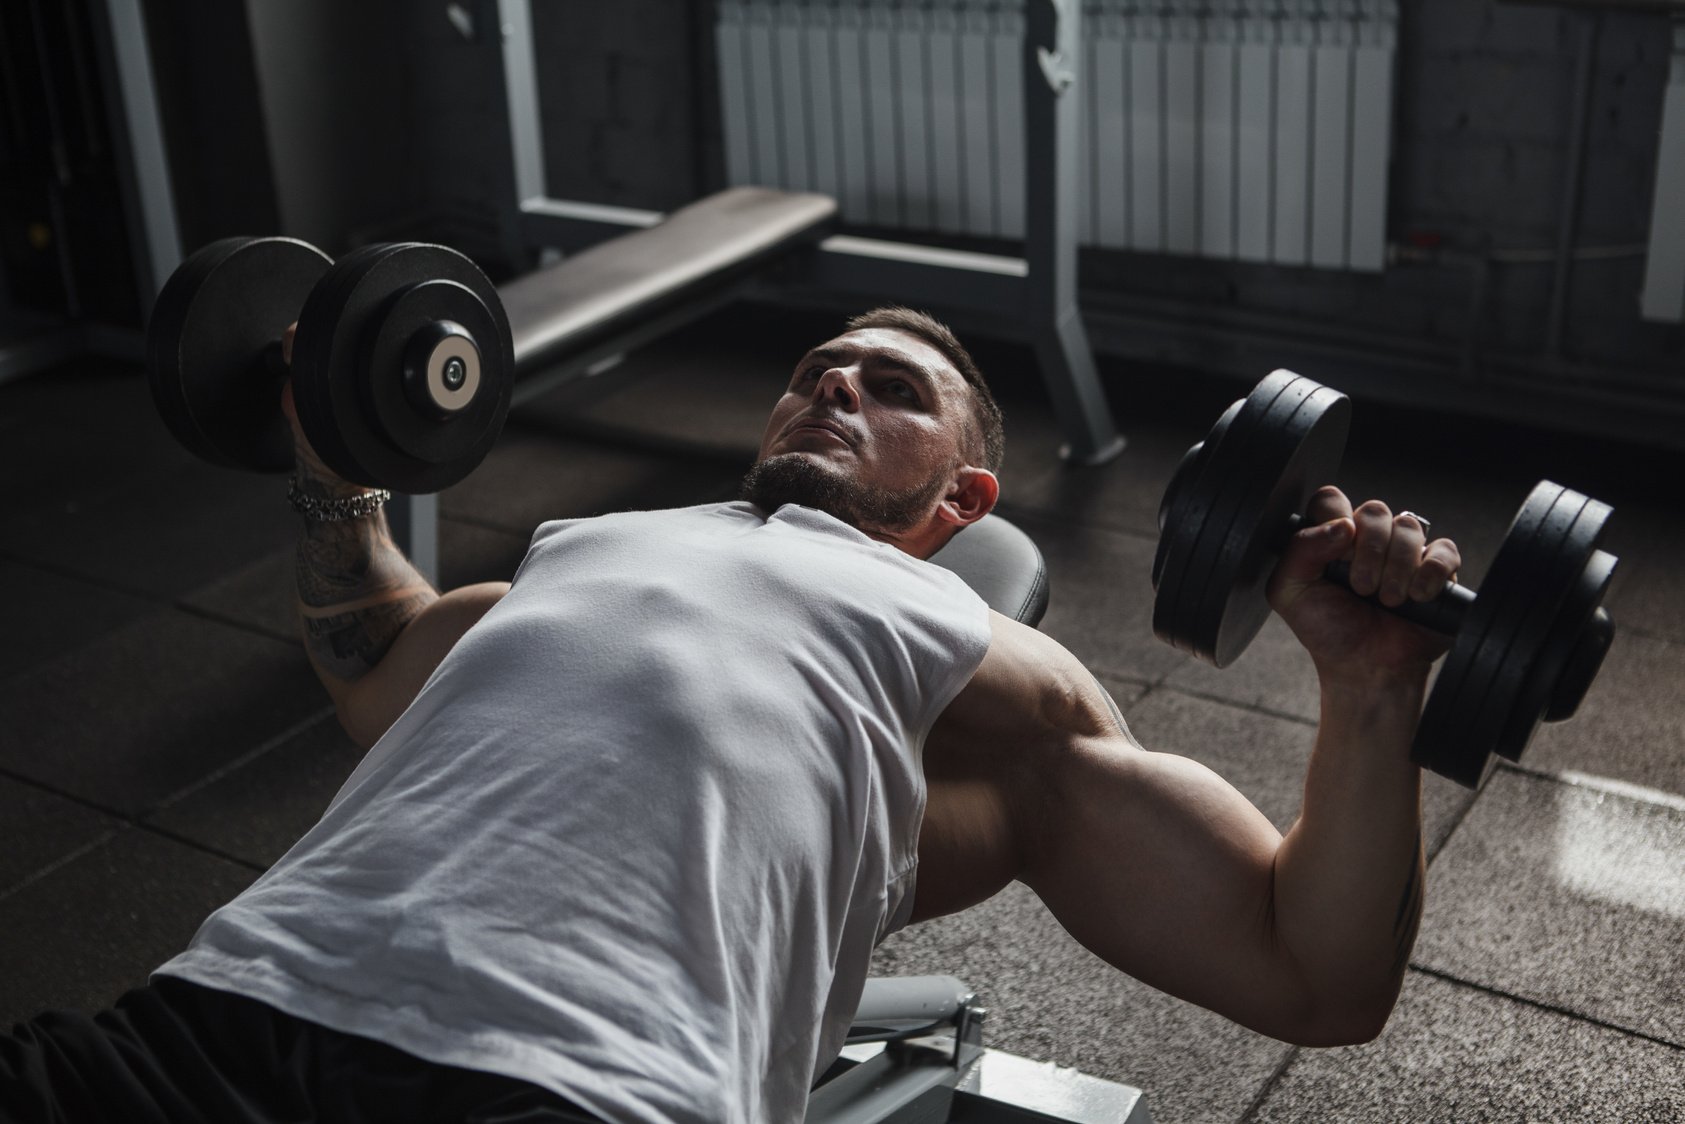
(871, 428)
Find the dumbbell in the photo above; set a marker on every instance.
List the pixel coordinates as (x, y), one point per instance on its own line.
(402, 364)
(1524, 649)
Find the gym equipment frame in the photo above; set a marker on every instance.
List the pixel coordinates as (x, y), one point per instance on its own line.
(915, 1055)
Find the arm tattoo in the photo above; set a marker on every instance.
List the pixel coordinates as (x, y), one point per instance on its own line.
(356, 593)
(1409, 911)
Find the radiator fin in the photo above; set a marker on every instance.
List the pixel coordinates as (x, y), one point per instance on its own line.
(1256, 130)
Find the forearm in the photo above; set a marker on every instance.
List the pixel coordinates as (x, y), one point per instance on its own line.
(1348, 877)
(356, 590)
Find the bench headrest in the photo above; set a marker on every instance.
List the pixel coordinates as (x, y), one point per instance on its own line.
(1002, 564)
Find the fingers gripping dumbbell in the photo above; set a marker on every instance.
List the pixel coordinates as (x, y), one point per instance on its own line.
(1525, 648)
(401, 365)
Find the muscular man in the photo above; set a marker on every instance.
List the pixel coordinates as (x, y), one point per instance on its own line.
(631, 826)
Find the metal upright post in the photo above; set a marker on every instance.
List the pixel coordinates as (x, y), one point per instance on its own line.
(517, 87)
(414, 521)
(148, 200)
(1053, 37)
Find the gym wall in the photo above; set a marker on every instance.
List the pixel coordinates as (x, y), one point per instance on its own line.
(1482, 154)
(348, 123)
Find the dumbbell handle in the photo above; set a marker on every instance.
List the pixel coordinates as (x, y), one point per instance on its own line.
(1444, 614)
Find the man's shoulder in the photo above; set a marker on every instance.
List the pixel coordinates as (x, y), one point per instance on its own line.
(1028, 686)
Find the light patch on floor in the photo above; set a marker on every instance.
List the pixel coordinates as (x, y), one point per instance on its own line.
(1618, 848)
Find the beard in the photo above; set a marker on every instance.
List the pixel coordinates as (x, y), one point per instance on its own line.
(795, 478)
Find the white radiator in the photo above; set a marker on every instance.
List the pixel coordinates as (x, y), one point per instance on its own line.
(1249, 129)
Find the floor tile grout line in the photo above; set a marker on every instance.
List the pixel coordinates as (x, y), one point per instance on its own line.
(64, 794)
(215, 617)
(106, 837)
(1281, 1068)
(1552, 1008)
(1269, 1084)
(178, 601)
(1605, 786)
(1163, 682)
(143, 820)
(64, 860)
(61, 571)
(201, 847)
(273, 742)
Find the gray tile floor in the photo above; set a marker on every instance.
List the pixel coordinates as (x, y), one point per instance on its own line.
(162, 740)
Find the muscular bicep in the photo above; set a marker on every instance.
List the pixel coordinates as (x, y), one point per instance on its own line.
(1163, 869)
(368, 706)
(1151, 860)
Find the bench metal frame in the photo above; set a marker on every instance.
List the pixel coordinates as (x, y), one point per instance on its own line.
(915, 1055)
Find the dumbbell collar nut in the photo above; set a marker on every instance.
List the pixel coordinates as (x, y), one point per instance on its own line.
(435, 353)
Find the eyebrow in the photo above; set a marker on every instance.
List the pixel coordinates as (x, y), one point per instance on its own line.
(893, 360)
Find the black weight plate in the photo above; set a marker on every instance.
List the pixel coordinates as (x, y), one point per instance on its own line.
(1536, 693)
(1542, 589)
(1440, 742)
(1224, 528)
(1218, 591)
(1586, 657)
(1307, 447)
(346, 395)
(323, 328)
(164, 331)
(1188, 471)
(1229, 469)
(414, 431)
(1187, 518)
(1443, 737)
(1179, 515)
(1463, 717)
(214, 320)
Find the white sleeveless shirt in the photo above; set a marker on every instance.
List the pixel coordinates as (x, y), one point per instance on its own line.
(637, 836)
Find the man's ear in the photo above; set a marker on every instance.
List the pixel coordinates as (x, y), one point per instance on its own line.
(971, 496)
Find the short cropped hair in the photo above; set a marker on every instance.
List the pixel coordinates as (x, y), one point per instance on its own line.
(988, 432)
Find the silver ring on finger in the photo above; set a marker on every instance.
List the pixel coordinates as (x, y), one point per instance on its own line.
(1423, 521)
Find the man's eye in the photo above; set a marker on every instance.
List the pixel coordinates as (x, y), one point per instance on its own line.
(903, 390)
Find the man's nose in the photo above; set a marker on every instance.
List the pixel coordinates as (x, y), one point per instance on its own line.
(838, 385)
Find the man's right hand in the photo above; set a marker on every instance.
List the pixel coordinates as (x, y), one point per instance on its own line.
(1350, 638)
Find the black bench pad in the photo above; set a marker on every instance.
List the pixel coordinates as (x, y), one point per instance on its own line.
(1002, 564)
(614, 287)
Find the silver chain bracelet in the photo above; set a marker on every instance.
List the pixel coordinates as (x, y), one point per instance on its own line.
(337, 510)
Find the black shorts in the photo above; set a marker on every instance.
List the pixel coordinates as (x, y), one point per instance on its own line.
(177, 1053)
